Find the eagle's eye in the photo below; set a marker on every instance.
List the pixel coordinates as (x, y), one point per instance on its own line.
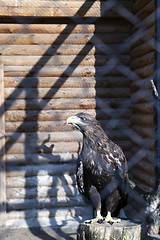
(83, 118)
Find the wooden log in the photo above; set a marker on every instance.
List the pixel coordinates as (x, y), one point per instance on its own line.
(61, 212)
(124, 230)
(2, 151)
(75, 38)
(14, 148)
(146, 108)
(43, 137)
(46, 180)
(146, 10)
(50, 115)
(65, 104)
(41, 192)
(63, 49)
(54, 104)
(33, 126)
(143, 61)
(142, 96)
(143, 48)
(142, 37)
(48, 93)
(143, 131)
(48, 71)
(143, 119)
(53, 170)
(138, 5)
(37, 159)
(147, 167)
(139, 84)
(49, 203)
(64, 9)
(71, 60)
(144, 177)
(63, 71)
(71, 82)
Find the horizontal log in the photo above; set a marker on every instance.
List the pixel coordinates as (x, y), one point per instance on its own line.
(44, 148)
(41, 192)
(63, 9)
(143, 61)
(52, 126)
(138, 5)
(141, 84)
(20, 204)
(69, 136)
(37, 159)
(53, 104)
(110, 27)
(142, 96)
(146, 108)
(72, 60)
(47, 180)
(143, 131)
(143, 119)
(71, 82)
(48, 93)
(146, 179)
(50, 115)
(146, 10)
(140, 37)
(143, 48)
(147, 167)
(145, 72)
(148, 143)
(41, 170)
(65, 104)
(72, 136)
(56, 39)
(64, 3)
(63, 71)
(63, 49)
(61, 212)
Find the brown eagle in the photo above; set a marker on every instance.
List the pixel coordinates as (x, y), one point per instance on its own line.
(102, 173)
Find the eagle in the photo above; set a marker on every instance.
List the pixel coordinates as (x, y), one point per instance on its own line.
(102, 172)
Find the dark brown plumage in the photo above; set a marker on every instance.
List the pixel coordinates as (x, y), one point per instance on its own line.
(102, 173)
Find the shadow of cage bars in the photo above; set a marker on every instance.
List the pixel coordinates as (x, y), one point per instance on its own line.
(92, 56)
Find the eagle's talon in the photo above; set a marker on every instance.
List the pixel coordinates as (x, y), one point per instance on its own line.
(110, 220)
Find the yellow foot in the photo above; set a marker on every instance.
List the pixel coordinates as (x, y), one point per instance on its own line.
(97, 219)
(109, 219)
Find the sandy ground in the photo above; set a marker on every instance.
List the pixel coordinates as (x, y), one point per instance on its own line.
(37, 233)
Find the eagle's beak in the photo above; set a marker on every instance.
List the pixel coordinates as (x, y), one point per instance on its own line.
(72, 120)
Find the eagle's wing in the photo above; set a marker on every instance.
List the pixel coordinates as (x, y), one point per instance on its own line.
(80, 176)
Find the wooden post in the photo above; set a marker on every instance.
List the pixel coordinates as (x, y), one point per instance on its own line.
(125, 230)
(2, 152)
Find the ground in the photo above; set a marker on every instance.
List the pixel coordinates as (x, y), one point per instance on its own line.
(37, 234)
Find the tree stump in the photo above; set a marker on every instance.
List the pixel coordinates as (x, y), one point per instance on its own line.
(125, 230)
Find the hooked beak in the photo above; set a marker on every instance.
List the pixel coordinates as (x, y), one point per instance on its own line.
(75, 121)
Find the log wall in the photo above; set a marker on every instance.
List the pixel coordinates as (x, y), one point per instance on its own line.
(73, 56)
(142, 164)
(52, 71)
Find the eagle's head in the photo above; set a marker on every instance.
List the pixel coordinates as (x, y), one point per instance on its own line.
(85, 123)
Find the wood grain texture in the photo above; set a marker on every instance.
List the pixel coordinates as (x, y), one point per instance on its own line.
(2, 150)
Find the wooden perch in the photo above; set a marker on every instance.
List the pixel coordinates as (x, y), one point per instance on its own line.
(125, 230)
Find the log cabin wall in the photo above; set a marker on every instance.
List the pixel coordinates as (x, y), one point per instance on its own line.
(143, 124)
(71, 56)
